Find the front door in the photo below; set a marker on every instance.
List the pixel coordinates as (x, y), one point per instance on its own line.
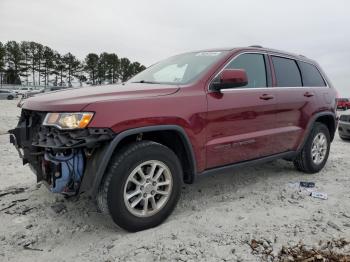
(241, 121)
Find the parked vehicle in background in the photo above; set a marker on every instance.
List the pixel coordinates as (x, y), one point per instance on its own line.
(7, 94)
(24, 90)
(132, 146)
(29, 90)
(344, 126)
(343, 103)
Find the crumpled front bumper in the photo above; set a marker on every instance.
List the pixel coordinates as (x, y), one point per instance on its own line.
(32, 141)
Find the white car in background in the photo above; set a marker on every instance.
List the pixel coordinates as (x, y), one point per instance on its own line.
(28, 90)
(7, 94)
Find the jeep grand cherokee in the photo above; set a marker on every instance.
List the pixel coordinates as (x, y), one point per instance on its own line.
(131, 146)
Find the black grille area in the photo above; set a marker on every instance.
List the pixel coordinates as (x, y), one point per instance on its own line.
(53, 137)
(345, 118)
(33, 137)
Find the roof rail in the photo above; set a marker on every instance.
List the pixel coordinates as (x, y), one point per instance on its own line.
(257, 46)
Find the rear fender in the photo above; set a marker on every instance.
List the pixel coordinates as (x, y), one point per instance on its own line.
(314, 119)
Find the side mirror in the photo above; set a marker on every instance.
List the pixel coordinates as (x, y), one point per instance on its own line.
(230, 78)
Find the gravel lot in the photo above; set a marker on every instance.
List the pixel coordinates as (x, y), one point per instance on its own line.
(233, 217)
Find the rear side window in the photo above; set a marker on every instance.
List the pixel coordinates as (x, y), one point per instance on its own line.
(311, 75)
(254, 65)
(286, 71)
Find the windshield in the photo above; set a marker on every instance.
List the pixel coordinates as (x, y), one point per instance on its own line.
(180, 69)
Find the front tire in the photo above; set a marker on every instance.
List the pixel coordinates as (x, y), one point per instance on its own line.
(10, 97)
(313, 157)
(142, 186)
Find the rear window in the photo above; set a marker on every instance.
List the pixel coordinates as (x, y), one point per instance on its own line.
(286, 71)
(311, 75)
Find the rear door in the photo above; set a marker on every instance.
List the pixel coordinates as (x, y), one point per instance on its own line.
(241, 121)
(295, 105)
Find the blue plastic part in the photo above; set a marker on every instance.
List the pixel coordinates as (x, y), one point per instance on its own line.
(72, 168)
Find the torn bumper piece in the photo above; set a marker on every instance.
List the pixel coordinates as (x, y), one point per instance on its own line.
(51, 137)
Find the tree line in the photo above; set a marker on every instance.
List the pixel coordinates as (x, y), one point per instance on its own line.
(37, 64)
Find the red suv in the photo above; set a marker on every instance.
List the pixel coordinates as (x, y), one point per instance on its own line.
(132, 145)
(343, 103)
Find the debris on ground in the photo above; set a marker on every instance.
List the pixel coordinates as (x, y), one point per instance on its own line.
(332, 251)
(300, 253)
(28, 247)
(59, 208)
(13, 203)
(12, 191)
(307, 184)
(333, 225)
(319, 195)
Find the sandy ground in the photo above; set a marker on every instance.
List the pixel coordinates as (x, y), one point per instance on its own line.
(216, 219)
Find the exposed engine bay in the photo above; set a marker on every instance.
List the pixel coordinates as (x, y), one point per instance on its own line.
(57, 157)
(64, 170)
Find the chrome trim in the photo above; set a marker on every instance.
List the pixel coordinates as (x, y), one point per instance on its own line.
(269, 88)
(270, 53)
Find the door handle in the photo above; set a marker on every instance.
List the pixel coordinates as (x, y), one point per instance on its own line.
(309, 94)
(266, 97)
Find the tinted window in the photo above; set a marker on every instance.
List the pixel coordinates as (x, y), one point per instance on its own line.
(286, 71)
(311, 76)
(254, 65)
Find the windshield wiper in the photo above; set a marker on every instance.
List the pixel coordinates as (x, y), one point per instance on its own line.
(145, 82)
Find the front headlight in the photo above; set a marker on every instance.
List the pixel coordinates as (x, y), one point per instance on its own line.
(68, 120)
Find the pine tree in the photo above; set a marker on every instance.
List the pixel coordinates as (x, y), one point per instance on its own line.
(14, 60)
(60, 68)
(2, 61)
(72, 65)
(113, 67)
(91, 66)
(102, 68)
(48, 64)
(33, 49)
(39, 59)
(26, 59)
(125, 69)
(136, 68)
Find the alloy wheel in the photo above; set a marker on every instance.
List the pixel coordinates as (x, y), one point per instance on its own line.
(148, 188)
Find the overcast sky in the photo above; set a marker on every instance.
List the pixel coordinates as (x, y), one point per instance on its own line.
(150, 30)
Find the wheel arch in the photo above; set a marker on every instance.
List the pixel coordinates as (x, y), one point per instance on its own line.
(158, 134)
(327, 118)
(329, 121)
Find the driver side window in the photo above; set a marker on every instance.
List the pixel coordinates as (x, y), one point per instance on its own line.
(254, 65)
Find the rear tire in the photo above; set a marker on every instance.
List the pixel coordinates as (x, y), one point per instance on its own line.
(132, 178)
(10, 97)
(313, 156)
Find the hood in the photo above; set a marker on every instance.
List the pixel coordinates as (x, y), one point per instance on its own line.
(75, 99)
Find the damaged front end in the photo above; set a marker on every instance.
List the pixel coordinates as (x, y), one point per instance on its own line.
(60, 158)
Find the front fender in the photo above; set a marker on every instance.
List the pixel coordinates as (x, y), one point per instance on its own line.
(97, 166)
